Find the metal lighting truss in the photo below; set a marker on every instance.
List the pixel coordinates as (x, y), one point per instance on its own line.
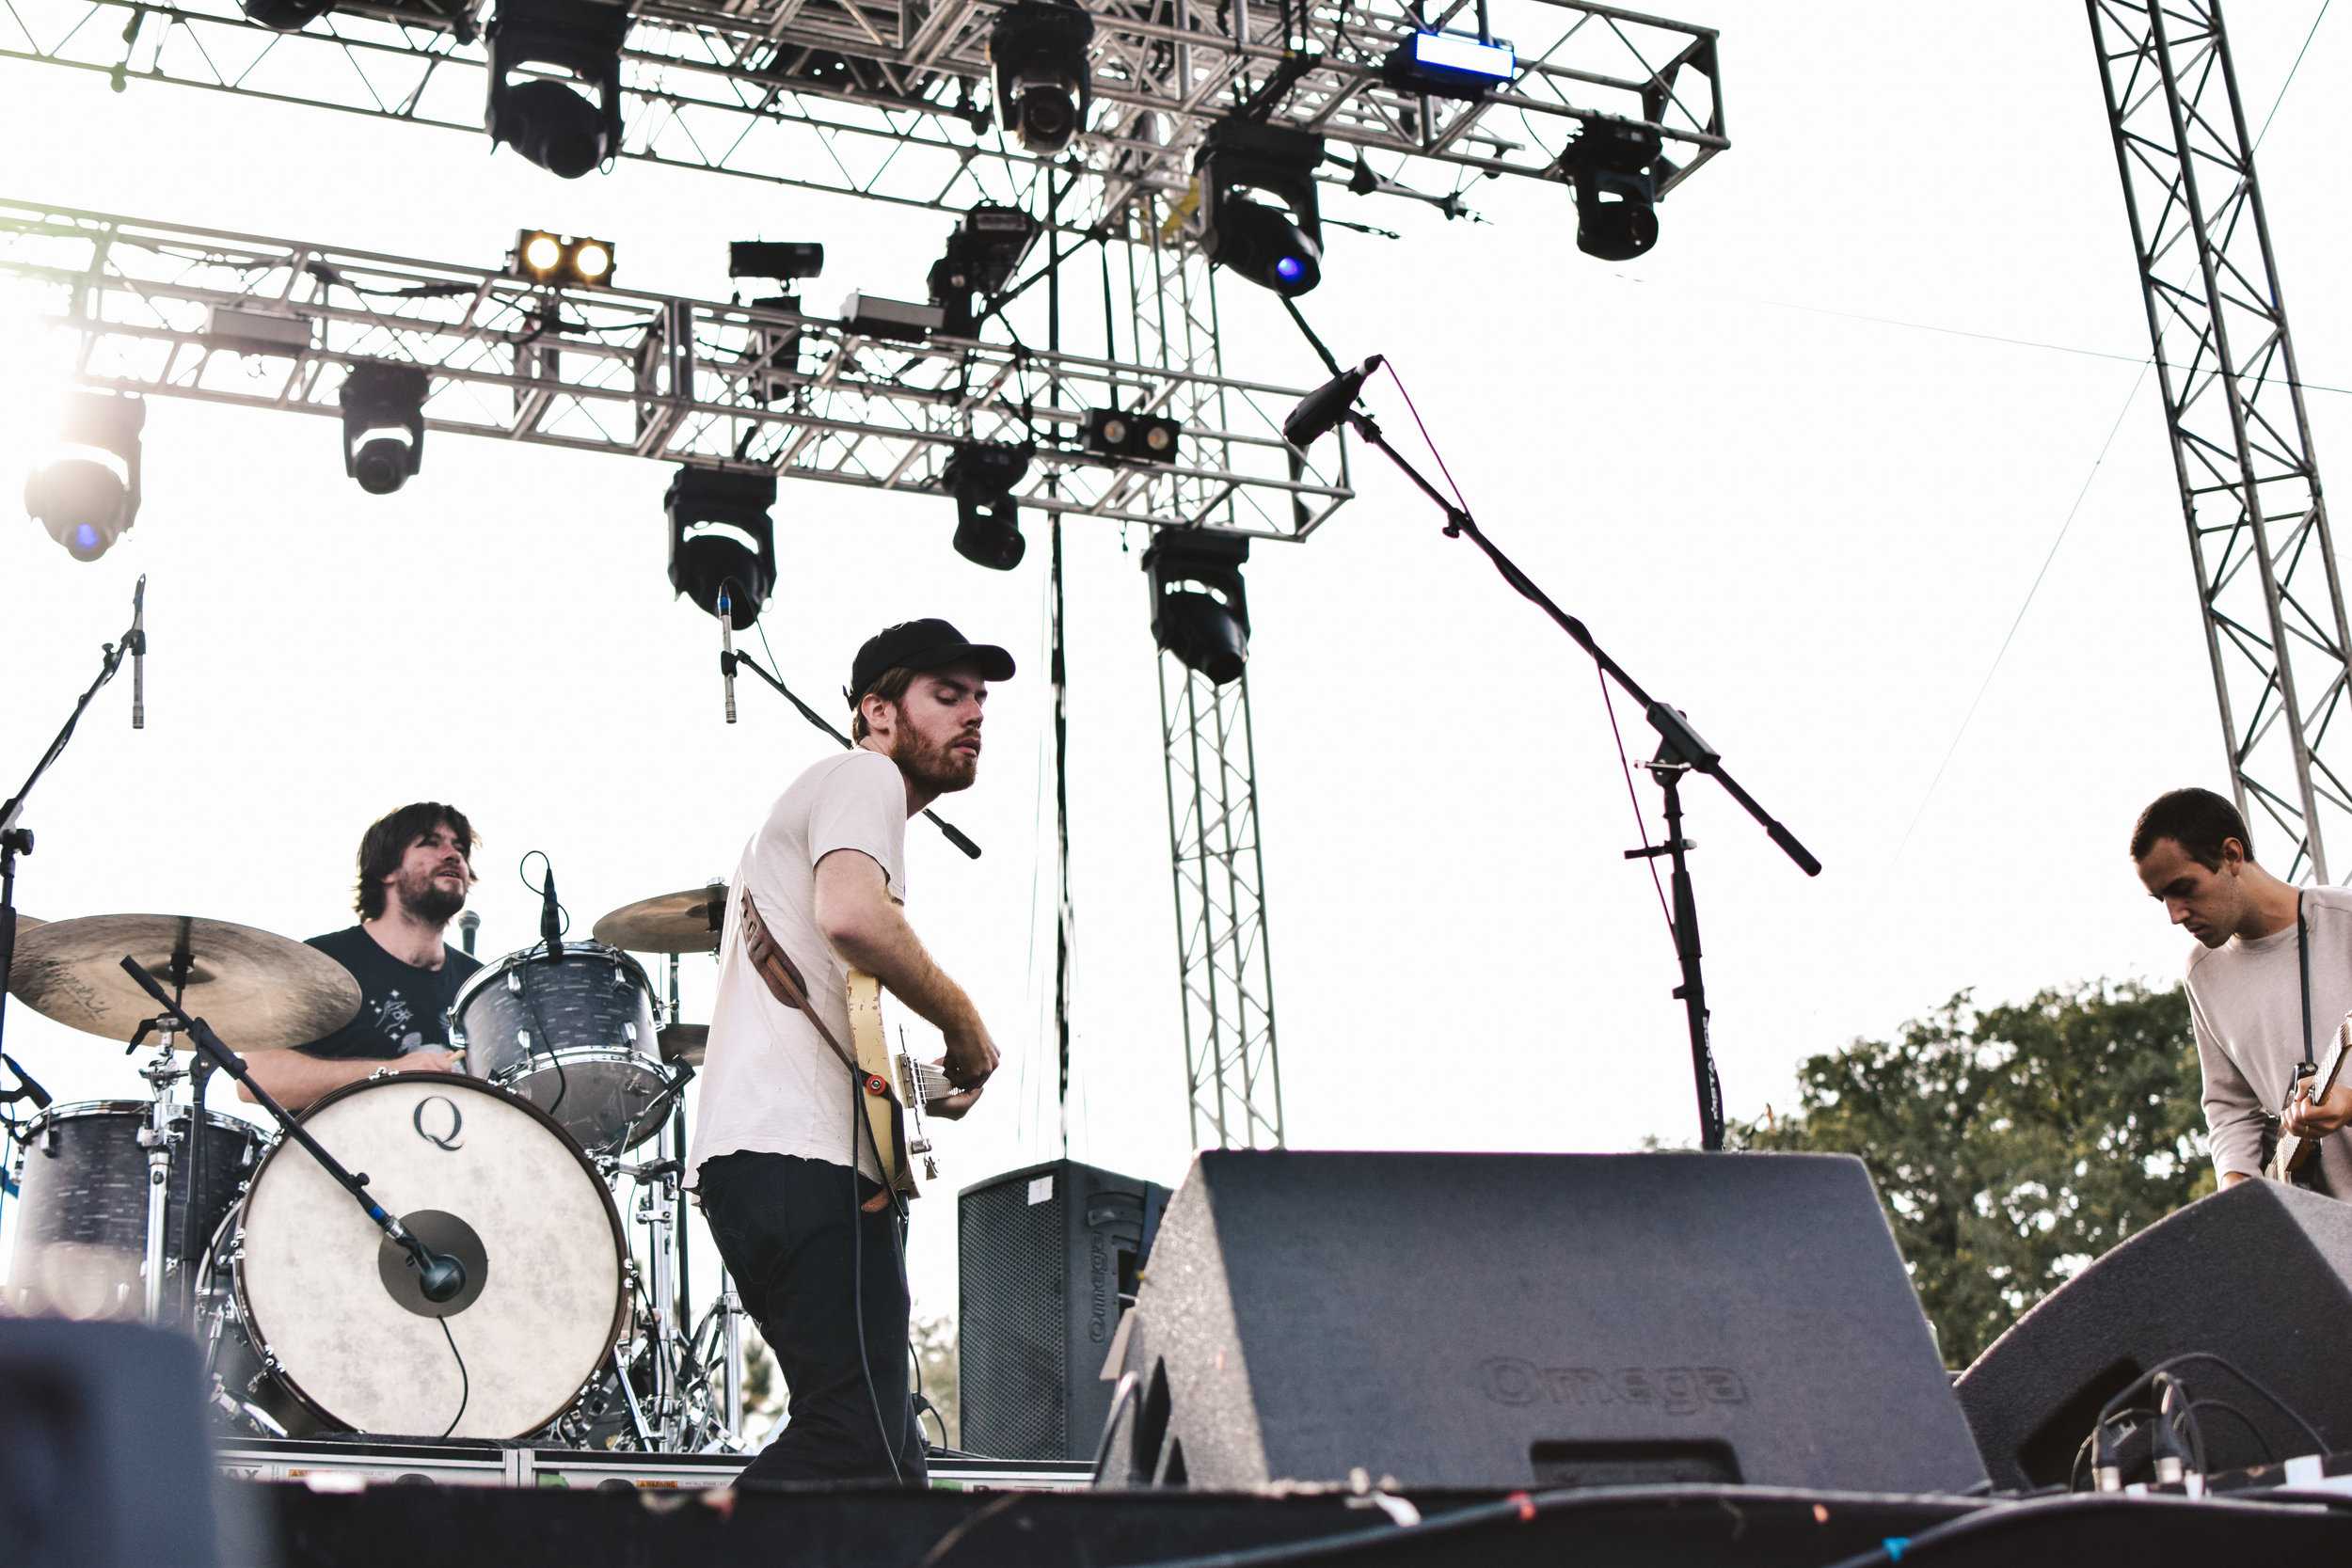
(176, 312)
(890, 99)
(2233, 401)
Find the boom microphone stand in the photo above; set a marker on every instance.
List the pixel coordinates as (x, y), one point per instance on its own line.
(1680, 751)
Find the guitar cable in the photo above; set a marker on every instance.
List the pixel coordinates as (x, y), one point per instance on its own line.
(858, 1123)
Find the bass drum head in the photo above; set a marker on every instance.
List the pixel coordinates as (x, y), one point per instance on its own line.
(474, 1173)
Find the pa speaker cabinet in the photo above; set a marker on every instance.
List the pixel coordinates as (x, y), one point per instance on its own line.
(2258, 1275)
(1483, 1320)
(1045, 1257)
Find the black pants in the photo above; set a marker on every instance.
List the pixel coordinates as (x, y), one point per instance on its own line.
(807, 1263)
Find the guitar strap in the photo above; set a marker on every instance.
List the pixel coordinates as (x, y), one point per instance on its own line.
(2303, 957)
(784, 982)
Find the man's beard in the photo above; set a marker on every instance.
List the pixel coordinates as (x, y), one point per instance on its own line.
(425, 900)
(938, 769)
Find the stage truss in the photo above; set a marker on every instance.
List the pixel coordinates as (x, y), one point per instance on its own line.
(2275, 627)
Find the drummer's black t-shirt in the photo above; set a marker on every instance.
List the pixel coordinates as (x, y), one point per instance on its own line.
(402, 1008)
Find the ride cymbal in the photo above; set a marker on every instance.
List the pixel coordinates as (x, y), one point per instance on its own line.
(683, 922)
(257, 990)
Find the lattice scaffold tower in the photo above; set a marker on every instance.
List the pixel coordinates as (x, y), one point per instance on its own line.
(2275, 627)
(888, 101)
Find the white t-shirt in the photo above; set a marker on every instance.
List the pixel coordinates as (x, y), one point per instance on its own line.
(769, 1084)
(2245, 1002)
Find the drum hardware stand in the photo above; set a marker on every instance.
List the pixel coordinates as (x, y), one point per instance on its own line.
(439, 1276)
(17, 839)
(1680, 751)
(162, 1071)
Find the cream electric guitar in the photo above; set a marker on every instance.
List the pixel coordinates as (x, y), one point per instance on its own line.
(2289, 1156)
(899, 1090)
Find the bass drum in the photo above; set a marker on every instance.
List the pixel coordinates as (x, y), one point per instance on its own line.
(330, 1309)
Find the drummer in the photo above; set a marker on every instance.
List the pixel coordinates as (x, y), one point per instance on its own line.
(415, 866)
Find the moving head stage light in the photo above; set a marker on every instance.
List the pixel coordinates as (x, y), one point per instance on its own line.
(1044, 84)
(1198, 610)
(720, 535)
(1273, 248)
(547, 120)
(981, 477)
(384, 424)
(1616, 216)
(87, 495)
(285, 16)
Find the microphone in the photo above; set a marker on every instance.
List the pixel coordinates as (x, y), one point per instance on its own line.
(551, 920)
(726, 647)
(439, 1276)
(1320, 411)
(137, 640)
(467, 924)
(27, 1087)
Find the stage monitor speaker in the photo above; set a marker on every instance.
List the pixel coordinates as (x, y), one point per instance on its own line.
(2260, 1274)
(1044, 1257)
(1508, 1319)
(102, 1457)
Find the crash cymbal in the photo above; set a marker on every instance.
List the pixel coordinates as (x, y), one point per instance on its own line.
(685, 1042)
(685, 922)
(256, 990)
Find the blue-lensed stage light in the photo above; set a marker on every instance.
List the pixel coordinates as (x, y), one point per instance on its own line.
(87, 493)
(1451, 65)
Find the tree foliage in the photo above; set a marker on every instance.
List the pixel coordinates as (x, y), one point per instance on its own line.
(2015, 1144)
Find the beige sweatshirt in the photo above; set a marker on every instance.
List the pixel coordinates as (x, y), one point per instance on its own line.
(2245, 1001)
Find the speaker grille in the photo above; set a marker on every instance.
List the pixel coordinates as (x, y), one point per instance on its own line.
(1014, 1328)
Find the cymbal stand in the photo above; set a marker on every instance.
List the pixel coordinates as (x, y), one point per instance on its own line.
(162, 1071)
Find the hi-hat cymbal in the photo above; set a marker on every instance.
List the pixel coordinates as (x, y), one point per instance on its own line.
(685, 1042)
(684, 922)
(256, 990)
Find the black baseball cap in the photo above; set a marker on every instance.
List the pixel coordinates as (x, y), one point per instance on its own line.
(927, 645)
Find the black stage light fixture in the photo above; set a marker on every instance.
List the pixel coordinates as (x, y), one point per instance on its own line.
(87, 495)
(981, 476)
(551, 122)
(1135, 438)
(1043, 84)
(544, 257)
(285, 16)
(783, 260)
(1277, 249)
(1198, 610)
(384, 424)
(720, 535)
(983, 253)
(1616, 194)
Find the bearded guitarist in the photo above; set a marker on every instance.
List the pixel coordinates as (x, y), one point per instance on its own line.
(783, 1158)
(2270, 985)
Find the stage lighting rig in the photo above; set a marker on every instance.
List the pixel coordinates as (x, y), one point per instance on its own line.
(1038, 50)
(285, 16)
(1132, 438)
(981, 476)
(87, 495)
(1616, 194)
(553, 123)
(561, 258)
(1450, 65)
(720, 533)
(1198, 610)
(384, 424)
(1277, 249)
(983, 253)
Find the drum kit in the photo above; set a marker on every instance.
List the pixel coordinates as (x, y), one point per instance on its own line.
(573, 1324)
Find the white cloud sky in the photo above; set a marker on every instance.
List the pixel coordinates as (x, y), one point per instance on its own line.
(1810, 529)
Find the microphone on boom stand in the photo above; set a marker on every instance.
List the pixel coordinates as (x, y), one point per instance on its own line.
(136, 641)
(1320, 411)
(726, 647)
(467, 924)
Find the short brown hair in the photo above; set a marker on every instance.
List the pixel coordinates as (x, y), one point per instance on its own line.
(387, 841)
(891, 687)
(2195, 820)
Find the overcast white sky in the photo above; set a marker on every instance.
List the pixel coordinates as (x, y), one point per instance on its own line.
(1810, 528)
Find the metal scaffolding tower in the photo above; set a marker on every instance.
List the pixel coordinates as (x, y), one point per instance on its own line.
(2274, 625)
(888, 101)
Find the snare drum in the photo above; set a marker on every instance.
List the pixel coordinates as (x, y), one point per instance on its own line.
(574, 1036)
(81, 1224)
(337, 1330)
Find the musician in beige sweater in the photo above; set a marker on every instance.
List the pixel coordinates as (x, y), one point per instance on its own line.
(2246, 993)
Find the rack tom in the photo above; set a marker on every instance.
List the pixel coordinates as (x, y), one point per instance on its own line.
(574, 1036)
